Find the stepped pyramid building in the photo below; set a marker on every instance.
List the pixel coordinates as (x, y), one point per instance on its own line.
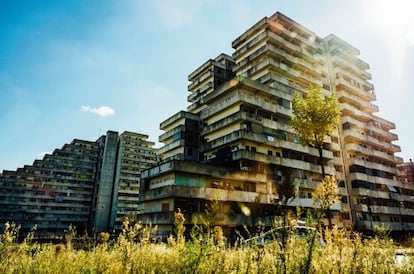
(234, 141)
(89, 185)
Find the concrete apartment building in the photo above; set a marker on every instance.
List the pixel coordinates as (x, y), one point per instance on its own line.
(407, 171)
(135, 153)
(246, 145)
(89, 185)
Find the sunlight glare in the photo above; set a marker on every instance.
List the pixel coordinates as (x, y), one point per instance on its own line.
(394, 24)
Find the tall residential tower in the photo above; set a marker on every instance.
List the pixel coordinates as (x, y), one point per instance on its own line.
(246, 145)
(89, 185)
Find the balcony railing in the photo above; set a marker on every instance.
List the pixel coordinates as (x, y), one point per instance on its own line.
(171, 146)
(231, 219)
(309, 203)
(207, 194)
(297, 164)
(394, 226)
(372, 165)
(241, 97)
(170, 133)
(370, 193)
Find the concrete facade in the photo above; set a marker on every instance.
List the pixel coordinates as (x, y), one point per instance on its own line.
(245, 129)
(407, 172)
(135, 153)
(104, 184)
(84, 184)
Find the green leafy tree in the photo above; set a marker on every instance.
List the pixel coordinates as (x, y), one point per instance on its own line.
(314, 118)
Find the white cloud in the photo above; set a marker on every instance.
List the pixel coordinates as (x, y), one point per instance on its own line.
(101, 111)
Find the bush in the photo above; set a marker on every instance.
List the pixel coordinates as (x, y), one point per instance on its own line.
(205, 252)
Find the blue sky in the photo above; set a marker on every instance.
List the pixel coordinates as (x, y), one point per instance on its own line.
(74, 69)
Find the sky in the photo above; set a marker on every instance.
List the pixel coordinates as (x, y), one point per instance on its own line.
(75, 69)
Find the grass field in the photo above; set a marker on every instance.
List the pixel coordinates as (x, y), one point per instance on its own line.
(206, 252)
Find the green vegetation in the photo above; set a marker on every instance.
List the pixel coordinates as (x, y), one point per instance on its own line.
(134, 252)
(314, 118)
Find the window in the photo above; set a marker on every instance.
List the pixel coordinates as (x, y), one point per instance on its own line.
(269, 152)
(281, 135)
(376, 218)
(296, 139)
(285, 103)
(165, 207)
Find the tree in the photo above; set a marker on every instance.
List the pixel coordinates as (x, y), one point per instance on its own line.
(314, 118)
(325, 195)
(286, 191)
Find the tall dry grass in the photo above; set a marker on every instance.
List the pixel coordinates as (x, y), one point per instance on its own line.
(206, 252)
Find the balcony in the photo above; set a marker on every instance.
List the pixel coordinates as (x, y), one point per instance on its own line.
(355, 100)
(345, 62)
(241, 51)
(231, 219)
(282, 30)
(292, 48)
(277, 125)
(308, 203)
(176, 117)
(167, 218)
(387, 124)
(402, 197)
(240, 97)
(326, 154)
(247, 60)
(294, 74)
(370, 193)
(239, 116)
(308, 183)
(171, 146)
(262, 139)
(370, 225)
(163, 137)
(355, 80)
(369, 152)
(371, 165)
(353, 121)
(206, 193)
(352, 111)
(382, 132)
(197, 81)
(385, 145)
(297, 164)
(303, 65)
(354, 135)
(377, 209)
(342, 84)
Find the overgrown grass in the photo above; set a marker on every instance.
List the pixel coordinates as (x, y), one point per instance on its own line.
(206, 252)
